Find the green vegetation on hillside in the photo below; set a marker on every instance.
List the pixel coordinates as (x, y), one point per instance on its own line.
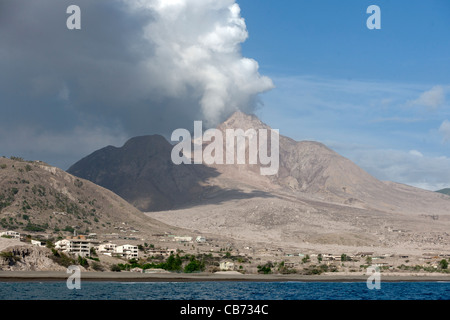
(173, 263)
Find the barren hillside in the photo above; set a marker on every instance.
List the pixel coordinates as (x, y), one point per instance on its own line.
(36, 197)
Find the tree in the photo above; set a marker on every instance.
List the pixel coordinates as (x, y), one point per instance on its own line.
(319, 258)
(265, 269)
(194, 266)
(173, 263)
(369, 260)
(443, 264)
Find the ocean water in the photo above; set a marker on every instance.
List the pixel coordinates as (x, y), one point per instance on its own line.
(224, 291)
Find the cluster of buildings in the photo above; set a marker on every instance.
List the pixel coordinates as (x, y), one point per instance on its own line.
(85, 246)
(81, 246)
(187, 239)
(126, 251)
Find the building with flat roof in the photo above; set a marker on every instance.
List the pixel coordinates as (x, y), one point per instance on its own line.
(127, 251)
(9, 233)
(77, 246)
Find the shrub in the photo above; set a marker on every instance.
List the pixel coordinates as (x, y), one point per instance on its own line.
(9, 257)
(35, 227)
(115, 268)
(61, 259)
(83, 262)
(265, 269)
(97, 266)
(78, 183)
(69, 229)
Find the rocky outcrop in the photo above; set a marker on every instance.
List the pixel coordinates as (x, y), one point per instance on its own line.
(28, 258)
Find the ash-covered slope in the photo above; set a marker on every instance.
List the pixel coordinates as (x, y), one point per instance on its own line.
(319, 200)
(309, 168)
(143, 173)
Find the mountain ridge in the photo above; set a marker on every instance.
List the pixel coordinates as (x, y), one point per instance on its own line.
(141, 172)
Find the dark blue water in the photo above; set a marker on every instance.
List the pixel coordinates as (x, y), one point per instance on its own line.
(224, 291)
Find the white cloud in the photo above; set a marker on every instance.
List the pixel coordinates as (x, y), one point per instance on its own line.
(197, 48)
(416, 153)
(433, 98)
(444, 130)
(407, 167)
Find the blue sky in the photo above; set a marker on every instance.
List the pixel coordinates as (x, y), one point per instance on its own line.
(378, 97)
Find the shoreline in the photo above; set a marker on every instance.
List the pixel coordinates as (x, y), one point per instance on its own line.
(42, 276)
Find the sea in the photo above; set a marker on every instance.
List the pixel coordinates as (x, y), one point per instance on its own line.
(89, 290)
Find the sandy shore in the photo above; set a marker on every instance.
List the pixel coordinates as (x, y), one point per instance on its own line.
(16, 276)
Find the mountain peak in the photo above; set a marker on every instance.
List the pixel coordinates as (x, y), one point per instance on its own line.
(241, 120)
(151, 141)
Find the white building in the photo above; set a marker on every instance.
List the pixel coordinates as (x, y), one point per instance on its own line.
(227, 266)
(37, 243)
(161, 252)
(127, 251)
(12, 234)
(182, 239)
(107, 249)
(200, 239)
(75, 246)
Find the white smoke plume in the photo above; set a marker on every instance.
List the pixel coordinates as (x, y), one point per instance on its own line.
(197, 47)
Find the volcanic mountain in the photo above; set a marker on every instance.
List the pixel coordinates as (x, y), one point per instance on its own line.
(309, 168)
(143, 174)
(317, 198)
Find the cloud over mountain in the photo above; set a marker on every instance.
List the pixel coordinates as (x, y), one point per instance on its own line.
(135, 67)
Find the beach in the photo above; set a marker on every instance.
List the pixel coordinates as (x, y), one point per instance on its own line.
(27, 276)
